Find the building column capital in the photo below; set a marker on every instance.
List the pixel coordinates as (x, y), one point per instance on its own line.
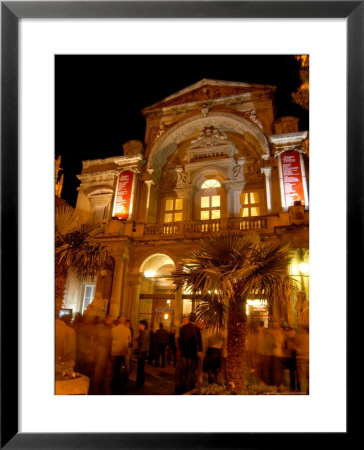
(232, 185)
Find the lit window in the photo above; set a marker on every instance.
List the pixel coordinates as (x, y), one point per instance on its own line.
(210, 202)
(168, 217)
(210, 184)
(88, 295)
(250, 202)
(173, 208)
(169, 204)
(178, 204)
(205, 202)
(215, 214)
(215, 200)
(205, 215)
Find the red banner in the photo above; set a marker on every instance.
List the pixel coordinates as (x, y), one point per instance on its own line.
(292, 178)
(123, 194)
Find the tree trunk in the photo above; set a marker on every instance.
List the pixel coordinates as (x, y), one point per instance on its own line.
(60, 286)
(236, 346)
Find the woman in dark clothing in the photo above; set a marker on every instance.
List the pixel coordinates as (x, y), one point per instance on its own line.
(142, 349)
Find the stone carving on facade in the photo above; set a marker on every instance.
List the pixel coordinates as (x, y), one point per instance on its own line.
(167, 144)
(183, 176)
(169, 179)
(252, 116)
(133, 148)
(251, 169)
(162, 129)
(209, 137)
(238, 174)
(204, 110)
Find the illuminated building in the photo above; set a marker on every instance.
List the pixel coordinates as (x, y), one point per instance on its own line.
(214, 160)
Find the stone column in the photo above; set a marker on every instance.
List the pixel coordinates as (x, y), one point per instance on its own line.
(132, 299)
(186, 193)
(268, 186)
(234, 189)
(148, 184)
(117, 284)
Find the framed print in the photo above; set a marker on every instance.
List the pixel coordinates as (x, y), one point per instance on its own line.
(32, 33)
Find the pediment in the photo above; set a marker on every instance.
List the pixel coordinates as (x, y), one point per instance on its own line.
(206, 90)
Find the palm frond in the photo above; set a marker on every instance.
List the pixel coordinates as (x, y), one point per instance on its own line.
(77, 247)
(212, 313)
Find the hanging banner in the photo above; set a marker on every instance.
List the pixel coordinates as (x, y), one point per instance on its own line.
(123, 195)
(292, 178)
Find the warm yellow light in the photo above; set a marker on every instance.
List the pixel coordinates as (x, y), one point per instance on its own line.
(257, 304)
(303, 268)
(168, 302)
(165, 316)
(149, 273)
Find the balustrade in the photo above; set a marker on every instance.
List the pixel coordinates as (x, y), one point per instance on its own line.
(202, 227)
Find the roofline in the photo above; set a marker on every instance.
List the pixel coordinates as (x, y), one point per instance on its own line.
(204, 82)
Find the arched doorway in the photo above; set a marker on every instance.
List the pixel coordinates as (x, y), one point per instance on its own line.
(157, 302)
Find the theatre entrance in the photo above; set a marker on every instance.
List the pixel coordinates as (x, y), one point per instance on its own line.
(158, 300)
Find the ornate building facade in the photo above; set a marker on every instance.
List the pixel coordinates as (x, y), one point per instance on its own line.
(214, 160)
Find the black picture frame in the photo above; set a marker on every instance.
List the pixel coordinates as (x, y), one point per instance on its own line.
(11, 12)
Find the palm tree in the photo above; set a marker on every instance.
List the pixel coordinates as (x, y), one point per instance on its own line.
(76, 249)
(226, 271)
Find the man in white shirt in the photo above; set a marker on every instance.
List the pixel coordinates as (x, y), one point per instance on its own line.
(121, 339)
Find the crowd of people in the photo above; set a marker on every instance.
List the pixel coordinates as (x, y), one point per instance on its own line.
(277, 355)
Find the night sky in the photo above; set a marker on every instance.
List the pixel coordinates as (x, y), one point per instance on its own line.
(99, 99)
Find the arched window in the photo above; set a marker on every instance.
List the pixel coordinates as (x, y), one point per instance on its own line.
(210, 200)
(210, 184)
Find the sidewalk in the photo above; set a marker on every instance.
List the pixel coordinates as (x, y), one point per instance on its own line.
(158, 381)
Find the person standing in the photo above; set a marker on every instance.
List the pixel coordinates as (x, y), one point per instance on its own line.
(290, 335)
(215, 345)
(171, 358)
(301, 344)
(278, 353)
(188, 345)
(121, 339)
(162, 339)
(130, 350)
(102, 373)
(151, 353)
(141, 351)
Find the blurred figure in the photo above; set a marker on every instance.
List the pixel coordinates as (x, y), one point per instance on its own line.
(162, 339)
(188, 345)
(85, 338)
(301, 344)
(172, 350)
(200, 352)
(102, 374)
(121, 339)
(141, 351)
(265, 352)
(65, 342)
(290, 353)
(278, 353)
(130, 350)
(151, 354)
(215, 345)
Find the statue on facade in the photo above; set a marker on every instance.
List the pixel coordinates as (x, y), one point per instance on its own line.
(133, 148)
(97, 308)
(302, 309)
